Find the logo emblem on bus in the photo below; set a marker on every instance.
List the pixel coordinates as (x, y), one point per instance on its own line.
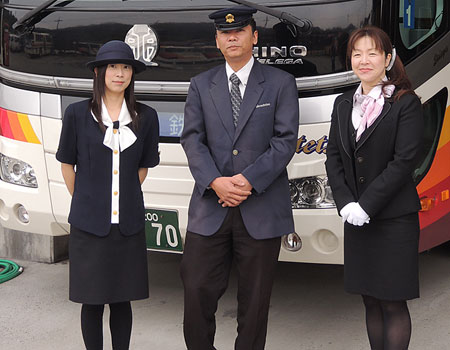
(144, 43)
(280, 55)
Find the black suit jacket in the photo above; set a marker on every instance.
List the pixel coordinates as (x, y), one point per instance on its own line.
(81, 144)
(378, 173)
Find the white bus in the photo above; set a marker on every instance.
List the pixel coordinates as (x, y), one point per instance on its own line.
(176, 41)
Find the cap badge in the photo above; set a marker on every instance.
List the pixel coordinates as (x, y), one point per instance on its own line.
(229, 18)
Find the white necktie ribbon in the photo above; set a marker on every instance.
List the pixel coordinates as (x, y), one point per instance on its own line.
(126, 135)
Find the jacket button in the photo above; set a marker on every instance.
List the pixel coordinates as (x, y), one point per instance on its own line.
(362, 179)
(360, 160)
(235, 152)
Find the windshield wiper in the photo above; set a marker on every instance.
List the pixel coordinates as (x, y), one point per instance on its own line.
(29, 18)
(304, 25)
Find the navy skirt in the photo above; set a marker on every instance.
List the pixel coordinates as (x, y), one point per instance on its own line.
(106, 270)
(381, 258)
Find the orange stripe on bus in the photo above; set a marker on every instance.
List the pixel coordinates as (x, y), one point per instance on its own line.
(27, 129)
(439, 170)
(445, 133)
(15, 127)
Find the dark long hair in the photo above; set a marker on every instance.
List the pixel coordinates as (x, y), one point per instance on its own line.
(99, 91)
(397, 75)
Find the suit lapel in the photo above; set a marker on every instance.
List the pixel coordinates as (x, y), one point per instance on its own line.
(344, 114)
(220, 95)
(253, 92)
(366, 134)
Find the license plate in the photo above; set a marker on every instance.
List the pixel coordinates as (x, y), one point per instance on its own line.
(162, 231)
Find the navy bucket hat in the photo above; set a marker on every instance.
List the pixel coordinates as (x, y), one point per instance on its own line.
(116, 51)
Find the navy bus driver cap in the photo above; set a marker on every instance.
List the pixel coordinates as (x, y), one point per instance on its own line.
(232, 18)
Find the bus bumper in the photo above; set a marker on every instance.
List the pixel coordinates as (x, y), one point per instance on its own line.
(322, 237)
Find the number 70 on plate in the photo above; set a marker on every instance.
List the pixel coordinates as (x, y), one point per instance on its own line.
(162, 231)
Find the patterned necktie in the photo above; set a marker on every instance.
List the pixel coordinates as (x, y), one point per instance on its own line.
(236, 98)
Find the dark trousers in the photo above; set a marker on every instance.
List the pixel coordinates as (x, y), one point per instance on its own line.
(205, 269)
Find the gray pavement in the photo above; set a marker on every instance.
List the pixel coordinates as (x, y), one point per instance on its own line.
(309, 309)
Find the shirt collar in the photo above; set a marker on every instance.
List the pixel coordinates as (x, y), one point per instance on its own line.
(357, 93)
(374, 93)
(124, 115)
(242, 73)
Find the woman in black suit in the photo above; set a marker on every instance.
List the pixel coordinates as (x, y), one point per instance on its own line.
(375, 138)
(112, 140)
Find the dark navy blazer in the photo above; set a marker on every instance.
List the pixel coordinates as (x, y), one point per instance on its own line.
(260, 148)
(81, 144)
(378, 173)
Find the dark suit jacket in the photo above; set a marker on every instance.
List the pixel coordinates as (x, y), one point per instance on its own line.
(81, 144)
(260, 148)
(378, 174)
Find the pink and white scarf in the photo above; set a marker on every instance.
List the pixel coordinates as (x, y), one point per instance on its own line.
(367, 108)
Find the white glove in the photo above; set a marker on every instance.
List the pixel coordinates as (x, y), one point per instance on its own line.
(357, 216)
(345, 211)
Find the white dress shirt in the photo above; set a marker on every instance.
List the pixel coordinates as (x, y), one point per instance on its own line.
(117, 140)
(242, 74)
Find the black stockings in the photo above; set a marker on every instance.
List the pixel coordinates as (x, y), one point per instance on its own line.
(388, 324)
(120, 321)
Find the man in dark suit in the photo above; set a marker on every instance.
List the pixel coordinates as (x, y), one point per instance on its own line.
(241, 127)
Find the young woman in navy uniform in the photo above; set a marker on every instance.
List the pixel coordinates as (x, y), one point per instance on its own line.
(375, 138)
(107, 144)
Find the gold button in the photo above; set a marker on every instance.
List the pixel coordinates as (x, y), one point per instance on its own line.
(235, 152)
(115, 131)
(115, 172)
(115, 212)
(116, 193)
(116, 151)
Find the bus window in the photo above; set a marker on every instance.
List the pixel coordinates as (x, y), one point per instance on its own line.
(419, 19)
(433, 114)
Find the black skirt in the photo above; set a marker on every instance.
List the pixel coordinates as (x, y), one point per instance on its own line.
(381, 258)
(106, 270)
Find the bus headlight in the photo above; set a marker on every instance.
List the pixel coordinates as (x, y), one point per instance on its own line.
(15, 171)
(311, 192)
